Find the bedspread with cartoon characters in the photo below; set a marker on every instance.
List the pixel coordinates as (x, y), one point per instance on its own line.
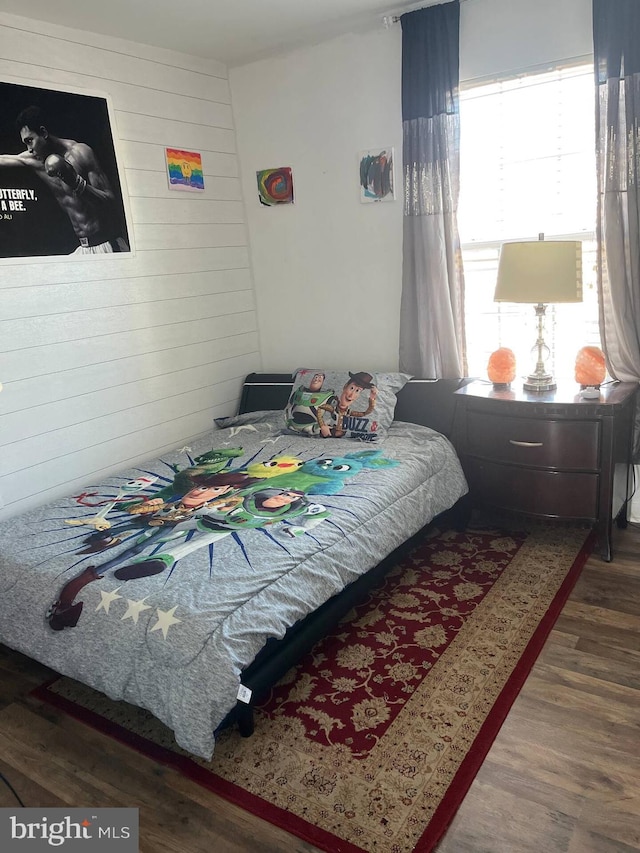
(161, 585)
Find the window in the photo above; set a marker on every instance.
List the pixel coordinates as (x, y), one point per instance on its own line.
(527, 166)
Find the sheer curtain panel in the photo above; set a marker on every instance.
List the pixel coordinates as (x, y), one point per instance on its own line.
(432, 307)
(616, 37)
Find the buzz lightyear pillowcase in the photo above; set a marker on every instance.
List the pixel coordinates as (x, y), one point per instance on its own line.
(336, 404)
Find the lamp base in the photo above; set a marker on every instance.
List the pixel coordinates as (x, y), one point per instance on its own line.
(537, 382)
(590, 392)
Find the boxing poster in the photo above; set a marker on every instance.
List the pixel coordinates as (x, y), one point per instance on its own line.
(60, 186)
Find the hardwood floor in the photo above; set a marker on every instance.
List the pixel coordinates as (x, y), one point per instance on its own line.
(563, 775)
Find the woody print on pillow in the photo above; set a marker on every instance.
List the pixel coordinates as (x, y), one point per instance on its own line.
(337, 417)
(332, 405)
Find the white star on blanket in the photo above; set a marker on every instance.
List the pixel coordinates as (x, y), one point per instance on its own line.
(134, 609)
(165, 620)
(237, 429)
(107, 599)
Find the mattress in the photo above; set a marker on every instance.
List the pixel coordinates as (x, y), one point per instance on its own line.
(161, 584)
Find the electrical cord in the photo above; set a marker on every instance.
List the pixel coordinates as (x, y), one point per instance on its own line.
(634, 487)
(634, 484)
(11, 788)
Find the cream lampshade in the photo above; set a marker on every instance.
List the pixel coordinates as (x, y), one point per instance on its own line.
(540, 272)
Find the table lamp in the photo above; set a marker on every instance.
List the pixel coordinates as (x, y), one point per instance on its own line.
(540, 272)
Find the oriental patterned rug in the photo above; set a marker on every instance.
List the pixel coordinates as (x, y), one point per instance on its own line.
(371, 743)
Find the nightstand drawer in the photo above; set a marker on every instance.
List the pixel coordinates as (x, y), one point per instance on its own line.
(548, 493)
(539, 443)
(550, 454)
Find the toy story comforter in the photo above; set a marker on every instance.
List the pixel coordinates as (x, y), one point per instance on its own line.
(161, 585)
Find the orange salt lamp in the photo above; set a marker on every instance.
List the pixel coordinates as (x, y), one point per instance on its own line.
(590, 367)
(501, 368)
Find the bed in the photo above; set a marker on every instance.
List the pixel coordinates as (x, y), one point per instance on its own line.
(189, 584)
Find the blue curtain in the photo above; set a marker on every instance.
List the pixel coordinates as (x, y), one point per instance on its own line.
(432, 306)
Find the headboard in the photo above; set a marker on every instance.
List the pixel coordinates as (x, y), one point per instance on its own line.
(430, 402)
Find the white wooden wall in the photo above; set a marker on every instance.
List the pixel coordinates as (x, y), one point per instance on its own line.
(106, 362)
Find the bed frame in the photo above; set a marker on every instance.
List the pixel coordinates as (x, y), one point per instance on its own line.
(422, 401)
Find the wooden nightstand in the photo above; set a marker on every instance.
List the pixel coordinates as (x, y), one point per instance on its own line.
(549, 454)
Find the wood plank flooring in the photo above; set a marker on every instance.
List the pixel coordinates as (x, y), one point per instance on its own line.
(563, 775)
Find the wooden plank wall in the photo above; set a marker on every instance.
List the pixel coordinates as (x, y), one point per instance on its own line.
(106, 362)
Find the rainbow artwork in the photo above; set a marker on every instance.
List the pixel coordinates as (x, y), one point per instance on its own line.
(275, 186)
(184, 170)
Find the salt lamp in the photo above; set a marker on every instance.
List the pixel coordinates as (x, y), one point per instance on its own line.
(501, 368)
(590, 367)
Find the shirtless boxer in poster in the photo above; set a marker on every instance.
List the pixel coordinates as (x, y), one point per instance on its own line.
(71, 171)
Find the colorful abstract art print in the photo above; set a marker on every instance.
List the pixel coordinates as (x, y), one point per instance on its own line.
(275, 186)
(376, 175)
(184, 170)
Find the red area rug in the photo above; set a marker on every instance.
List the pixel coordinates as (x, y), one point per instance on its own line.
(372, 742)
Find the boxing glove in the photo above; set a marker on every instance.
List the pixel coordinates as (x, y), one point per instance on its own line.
(57, 167)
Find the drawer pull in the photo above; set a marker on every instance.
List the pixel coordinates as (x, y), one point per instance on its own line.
(525, 443)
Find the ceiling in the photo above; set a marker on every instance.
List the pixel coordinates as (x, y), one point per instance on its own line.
(232, 31)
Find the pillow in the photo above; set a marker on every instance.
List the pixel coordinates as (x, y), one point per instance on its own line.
(342, 404)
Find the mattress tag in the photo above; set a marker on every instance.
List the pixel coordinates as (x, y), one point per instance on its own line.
(244, 694)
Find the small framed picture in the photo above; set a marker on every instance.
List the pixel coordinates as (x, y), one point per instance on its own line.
(184, 170)
(275, 186)
(376, 175)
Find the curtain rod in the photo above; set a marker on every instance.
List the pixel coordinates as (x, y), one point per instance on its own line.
(389, 20)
